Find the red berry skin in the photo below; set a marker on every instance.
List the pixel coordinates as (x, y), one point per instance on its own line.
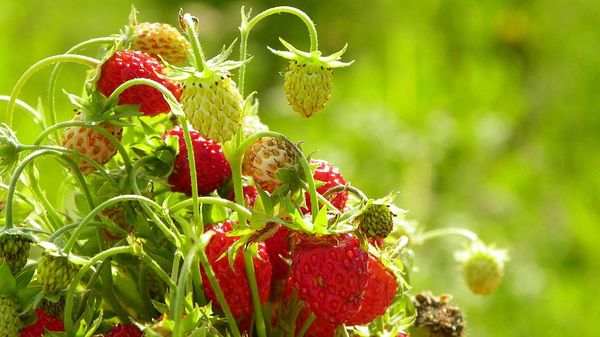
(125, 330)
(43, 323)
(125, 65)
(331, 176)
(212, 169)
(330, 274)
(278, 246)
(250, 195)
(402, 334)
(234, 282)
(379, 293)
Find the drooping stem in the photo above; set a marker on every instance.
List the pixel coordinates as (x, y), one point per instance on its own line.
(57, 69)
(37, 66)
(68, 320)
(121, 198)
(219, 293)
(247, 25)
(192, 34)
(360, 194)
(450, 231)
(36, 115)
(251, 273)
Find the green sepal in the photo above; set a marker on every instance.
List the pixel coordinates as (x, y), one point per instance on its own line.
(293, 53)
(9, 283)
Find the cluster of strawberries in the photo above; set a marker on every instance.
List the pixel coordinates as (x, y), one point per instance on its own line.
(285, 245)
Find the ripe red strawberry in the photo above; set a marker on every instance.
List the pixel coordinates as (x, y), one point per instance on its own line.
(125, 65)
(250, 194)
(278, 246)
(212, 168)
(331, 176)
(43, 323)
(379, 294)
(330, 274)
(234, 282)
(125, 330)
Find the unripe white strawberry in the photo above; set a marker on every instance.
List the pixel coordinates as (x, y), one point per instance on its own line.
(213, 104)
(91, 143)
(309, 77)
(482, 267)
(265, 158)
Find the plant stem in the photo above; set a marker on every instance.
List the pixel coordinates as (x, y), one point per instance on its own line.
(246, 26)
(250, 272)
(36, 115)
(192, 34)
(212, 201)
(37, 66)
(56, 72)
(68, 319)
(219, 293)
(306, 324)
(441, 232)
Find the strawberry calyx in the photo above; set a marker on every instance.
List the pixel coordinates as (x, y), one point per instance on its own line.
(311, 58)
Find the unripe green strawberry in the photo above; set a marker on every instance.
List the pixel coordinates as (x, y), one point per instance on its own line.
(160, 39)
(308, 86)
(55, 272)
(252, 125)
(91, 143)
(14, 251)
(213, 105)
(265, 158)
(10, 323)
(376, 221)
(482, 267)
(309, 77)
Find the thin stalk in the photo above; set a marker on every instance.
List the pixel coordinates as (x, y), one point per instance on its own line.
(258, 313)
(53, 218)
(306, 324)
(246, 26)
(37, 66)
(219, 293)
(126, 197)
(68, 318)
(212, 201)
(192, 34)
(57, 69)
(189, 261)
(197, 217)
(36, 115)
(441, 232)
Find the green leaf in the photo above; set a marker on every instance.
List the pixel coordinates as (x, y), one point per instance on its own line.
(27, 295)
(8, 284)
(24, 278)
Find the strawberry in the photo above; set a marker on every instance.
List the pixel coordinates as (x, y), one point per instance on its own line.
(376, 221)
(330, 274)
(160, 40)
(10, 324)
(278, 247)
(124, 330)
(309, 77)
(44, 323)
(379, 293)
(54, 272)
(234, 282)
(91, 143)
(252, 125)
(482, 267)
(125, 65)
(212, 168)
(213, 104)
(264, 159)
(14, 250)
(250, 194)
(331, 177)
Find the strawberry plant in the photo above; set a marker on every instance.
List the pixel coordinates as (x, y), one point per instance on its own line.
(183, 215)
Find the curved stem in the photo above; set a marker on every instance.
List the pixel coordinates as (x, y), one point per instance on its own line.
(37, 66)
(19, 195)
(68, 320)
(246, 26)
(251, 274)
(192, 34)
(136, 189)
(441, 232)
(56, 72)
(36, 115)
(360, 194)
(126, 197)
(212, 201)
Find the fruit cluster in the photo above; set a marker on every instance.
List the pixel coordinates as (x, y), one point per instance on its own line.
(183, 215)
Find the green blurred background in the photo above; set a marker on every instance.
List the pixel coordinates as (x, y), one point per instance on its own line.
(482, 114)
